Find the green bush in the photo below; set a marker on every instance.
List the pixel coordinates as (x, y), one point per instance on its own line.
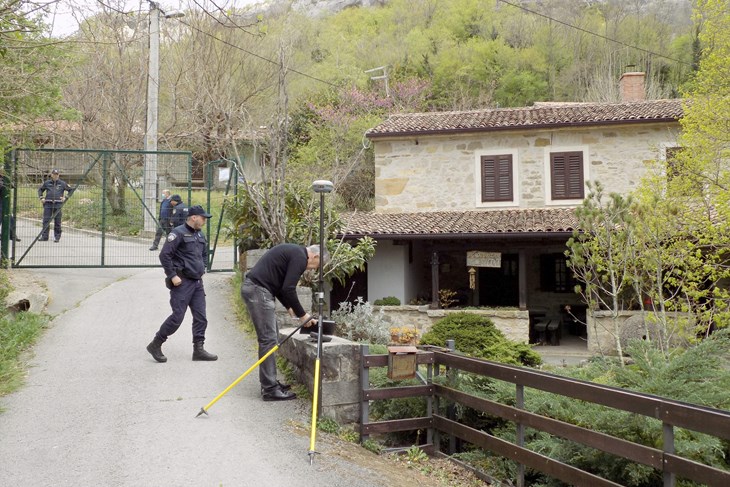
(387, 301)
(475, 335)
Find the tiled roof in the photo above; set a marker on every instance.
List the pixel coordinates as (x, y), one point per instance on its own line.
(460, 223)
(539, 116)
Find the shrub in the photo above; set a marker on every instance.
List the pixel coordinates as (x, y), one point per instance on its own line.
(387, 301)
(476, 336)
(360, 323)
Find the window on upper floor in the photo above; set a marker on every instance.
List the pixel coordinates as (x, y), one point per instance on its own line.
(497, 178)
(566, 175)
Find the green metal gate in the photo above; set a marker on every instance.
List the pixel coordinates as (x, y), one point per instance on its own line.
(110, 217)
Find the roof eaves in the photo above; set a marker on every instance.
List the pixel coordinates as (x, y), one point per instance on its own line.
(412, 133)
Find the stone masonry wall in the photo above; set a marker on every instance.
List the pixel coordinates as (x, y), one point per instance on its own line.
(514, 323)
(439, 173)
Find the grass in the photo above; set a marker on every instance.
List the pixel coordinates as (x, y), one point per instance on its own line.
(17, 334)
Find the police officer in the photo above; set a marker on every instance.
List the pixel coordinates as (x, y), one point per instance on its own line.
(178, 211)
(184, 258)
(55, 190)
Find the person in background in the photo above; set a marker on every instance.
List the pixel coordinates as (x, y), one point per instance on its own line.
(164, 225)
(178, 211)
(184, 258)
(3, 189)
(275, 276)
(53, 193)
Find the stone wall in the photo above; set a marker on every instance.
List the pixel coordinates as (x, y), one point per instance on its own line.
(514, 323)
(602, 333)
(440, 172)
(339, 370)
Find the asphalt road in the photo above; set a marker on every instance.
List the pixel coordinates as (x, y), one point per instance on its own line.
(97, 410)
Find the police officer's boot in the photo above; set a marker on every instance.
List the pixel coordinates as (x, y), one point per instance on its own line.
(155, 349)
(199, 353)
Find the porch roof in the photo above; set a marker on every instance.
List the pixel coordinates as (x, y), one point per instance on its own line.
(541, 115)
(450, 224)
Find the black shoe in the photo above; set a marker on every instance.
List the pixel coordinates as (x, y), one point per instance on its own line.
(16, 239)
(200, 354)
(43, 239)
(153, 247)
(56, 240)
(155, 349)
(283, 387)
(279, 395)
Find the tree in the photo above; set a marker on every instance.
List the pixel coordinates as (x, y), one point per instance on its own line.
(31, 67)
(601, 255)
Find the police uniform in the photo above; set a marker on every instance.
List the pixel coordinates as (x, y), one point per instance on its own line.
(53, 200)
(185, 255)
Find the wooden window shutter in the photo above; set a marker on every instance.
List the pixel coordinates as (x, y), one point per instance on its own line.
(497, 178)
(566, 175)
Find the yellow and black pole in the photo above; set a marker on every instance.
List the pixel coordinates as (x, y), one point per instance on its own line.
(322, 187)
(204, 409)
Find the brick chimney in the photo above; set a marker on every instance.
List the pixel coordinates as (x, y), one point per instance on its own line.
(632, 86)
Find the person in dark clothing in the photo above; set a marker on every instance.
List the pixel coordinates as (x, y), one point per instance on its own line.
(164, 225)
(178, 211)
(184, 258)
(11, 224)
(275, 276)
(53, 194)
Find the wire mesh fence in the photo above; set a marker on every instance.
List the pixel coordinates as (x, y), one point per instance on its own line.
(101, 209)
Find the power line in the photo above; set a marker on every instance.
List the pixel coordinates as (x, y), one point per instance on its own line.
(276, 63)
(586, 31)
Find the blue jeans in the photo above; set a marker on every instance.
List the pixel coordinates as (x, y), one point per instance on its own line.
(261, 308)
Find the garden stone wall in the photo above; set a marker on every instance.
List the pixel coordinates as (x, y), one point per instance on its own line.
(339, 370)
(514, 323)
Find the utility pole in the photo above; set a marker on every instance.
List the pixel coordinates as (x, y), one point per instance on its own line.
(150, 136)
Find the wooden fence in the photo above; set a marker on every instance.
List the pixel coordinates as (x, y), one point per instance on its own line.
(672, 414)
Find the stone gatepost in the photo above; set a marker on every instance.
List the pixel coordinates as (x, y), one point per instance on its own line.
(339, 370)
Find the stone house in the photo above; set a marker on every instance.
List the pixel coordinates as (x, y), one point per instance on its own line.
(481, 203)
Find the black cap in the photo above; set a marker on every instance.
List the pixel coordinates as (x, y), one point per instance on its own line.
(176, 198)
(54, 171)
(198, 210)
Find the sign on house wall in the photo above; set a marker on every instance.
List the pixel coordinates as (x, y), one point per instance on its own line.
(477, 258)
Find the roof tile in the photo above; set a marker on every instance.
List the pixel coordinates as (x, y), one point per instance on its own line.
(443, 223)
(540, 115)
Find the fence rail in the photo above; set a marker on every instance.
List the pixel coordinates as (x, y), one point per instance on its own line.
(672, 414)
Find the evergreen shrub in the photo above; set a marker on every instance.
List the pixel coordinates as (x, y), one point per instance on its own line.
(475, 335)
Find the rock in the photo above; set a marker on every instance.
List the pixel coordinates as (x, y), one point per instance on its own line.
(28, 293)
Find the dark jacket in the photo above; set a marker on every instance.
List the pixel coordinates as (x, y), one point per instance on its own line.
(279, 270)
(178, 214)
(185, 253)
(165, 210)
(54, 190)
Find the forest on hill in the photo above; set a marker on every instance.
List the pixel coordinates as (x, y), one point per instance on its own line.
(316, 83)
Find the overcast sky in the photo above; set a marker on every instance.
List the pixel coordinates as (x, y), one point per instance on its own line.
(64, 15)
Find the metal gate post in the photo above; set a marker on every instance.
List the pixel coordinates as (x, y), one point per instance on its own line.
(5, 215)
